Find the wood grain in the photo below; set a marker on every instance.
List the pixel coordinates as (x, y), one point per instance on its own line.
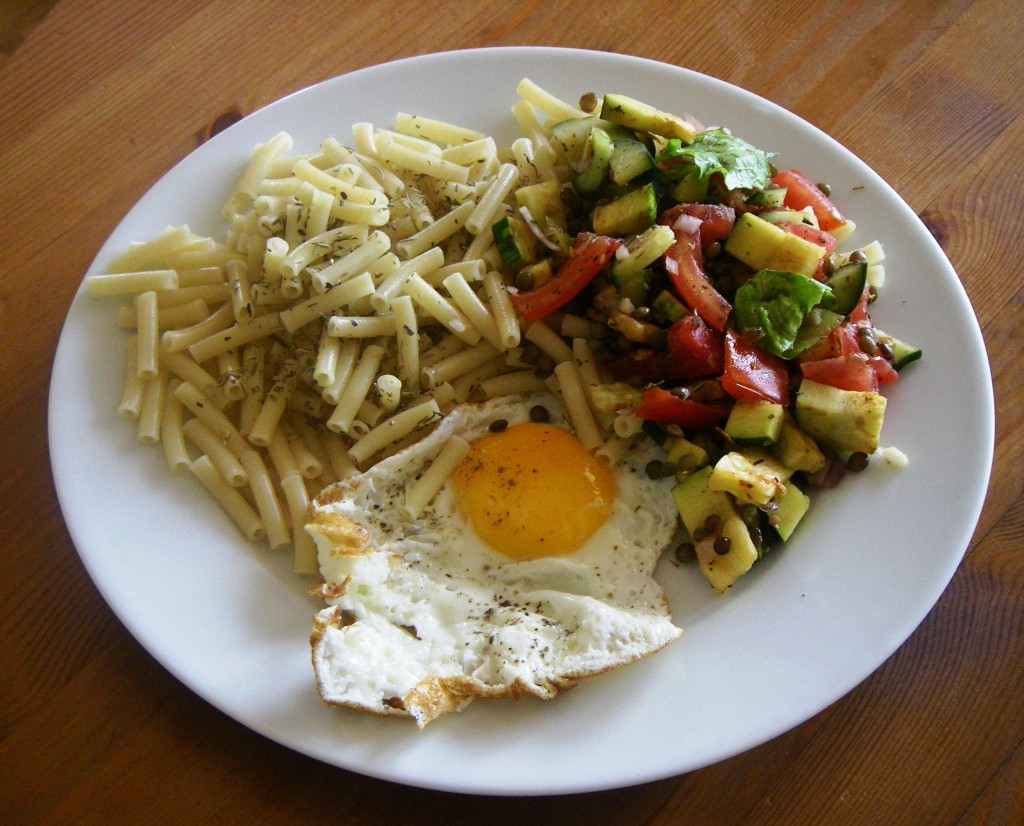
(93, 730)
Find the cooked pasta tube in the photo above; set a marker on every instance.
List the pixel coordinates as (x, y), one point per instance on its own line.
(436, 305)
(233, 503)
(369, 326)
(330, 242)
(172, 433)
(274, 404)
(549, 342)
(297, 499)
(407, 335)
(144, 255)
(334, 298)
(337, 455)
(132, 387)
(267, 504)
(147, 335)
(394, 429)
(423, 264)
(229, 372)
(327, 351)
(348, 355)
(613, 449)
(521, 381)
(352, 263)
(213, 418)
(501, 306)
(577, 406)
(421, 163)
(253, 361)
(554, 107)
(435, 130)
(224, 460)
(309, 465)
(435, 233)
(173, 341)
(424, 489)
(356, 388)
(473, 308)
(486, 208)
(455, 365)
(152, 409)
(182, 315)
(281, 456)
(310, 438)
(260, 164)
(186, 369)
(236, 335)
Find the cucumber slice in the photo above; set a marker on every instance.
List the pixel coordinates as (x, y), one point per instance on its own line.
(515, 243)
(644, 250)
(772, 196)
(628, 214)
(902, 353)
(847, 284)
(597, 156)
(691, 188)
(668, 306)
(636, 286)
(571, 135)
(630, 159)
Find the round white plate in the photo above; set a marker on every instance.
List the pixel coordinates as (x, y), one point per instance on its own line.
(809, 623)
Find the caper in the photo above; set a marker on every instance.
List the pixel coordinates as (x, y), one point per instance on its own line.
(524, 280)
(713, 251)
(498, 425)
(539, 413)
(857, 461)
(588, 102)
(826, 189)
(828, 266)
(858, 257)
(680, 392)
(712, 523)
(866, 340)
(655, 469)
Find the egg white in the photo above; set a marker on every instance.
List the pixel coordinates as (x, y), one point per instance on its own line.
(424, 616)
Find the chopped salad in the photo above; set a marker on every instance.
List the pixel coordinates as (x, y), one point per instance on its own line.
(730, 322)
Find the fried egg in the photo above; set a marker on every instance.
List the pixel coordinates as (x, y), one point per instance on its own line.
(530, 569)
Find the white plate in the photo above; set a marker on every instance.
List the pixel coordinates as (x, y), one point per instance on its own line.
(812, 620)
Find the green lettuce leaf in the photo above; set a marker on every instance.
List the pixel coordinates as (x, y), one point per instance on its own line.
(776, 303)
(742, 165)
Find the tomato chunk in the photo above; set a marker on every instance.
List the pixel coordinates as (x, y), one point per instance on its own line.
(684, 263)
(660, 405)
(853, 371)
(842, 340)
(694, 351)
(590, 253)
(716, 220)
(751, 374)
(802, 192)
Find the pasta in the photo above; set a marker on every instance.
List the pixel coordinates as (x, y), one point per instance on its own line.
(355, 297)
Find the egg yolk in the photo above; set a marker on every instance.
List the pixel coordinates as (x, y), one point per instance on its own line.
(532, 490)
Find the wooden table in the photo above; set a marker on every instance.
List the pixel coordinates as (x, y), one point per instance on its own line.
(102, 97)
